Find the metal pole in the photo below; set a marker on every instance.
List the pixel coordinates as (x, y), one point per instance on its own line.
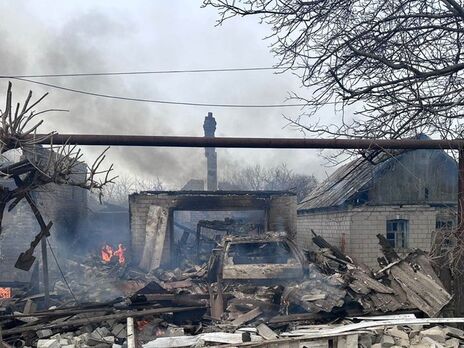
(459, 267)
(46, 281)
(231, 142)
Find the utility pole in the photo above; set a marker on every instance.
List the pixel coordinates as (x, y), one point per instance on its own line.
(458, 272)
(209, 127)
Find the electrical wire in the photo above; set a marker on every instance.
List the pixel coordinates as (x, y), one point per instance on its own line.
(156, 101)
(79, 305)
(146, 72)
(62, 273)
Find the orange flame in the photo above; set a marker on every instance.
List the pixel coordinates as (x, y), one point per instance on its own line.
(107, 253)
(5, 293)
(120, 254)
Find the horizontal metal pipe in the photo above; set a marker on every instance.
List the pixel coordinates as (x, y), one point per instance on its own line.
(230, 142)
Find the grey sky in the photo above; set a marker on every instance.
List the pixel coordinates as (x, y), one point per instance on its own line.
(89, 36)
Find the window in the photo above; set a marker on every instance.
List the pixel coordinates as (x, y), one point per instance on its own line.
(444, 228)
(444, 224)
(397, 233)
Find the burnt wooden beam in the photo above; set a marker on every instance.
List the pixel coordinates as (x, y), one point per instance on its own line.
(17, 168)
(98, 319)
(387, 249)
(323, 244)
(42, 237)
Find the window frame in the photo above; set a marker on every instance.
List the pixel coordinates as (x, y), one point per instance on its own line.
(398, 227)
(444, 226)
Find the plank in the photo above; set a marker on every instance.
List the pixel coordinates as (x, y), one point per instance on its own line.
(98, 319)
(371, 283)
(246, 317)
(265, 332)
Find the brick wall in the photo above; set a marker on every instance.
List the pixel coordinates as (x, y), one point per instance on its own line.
(361, 225)
(139, 205)
(18, 230)
(334, 226)
(367, 222)
(282, 215)
(282, 211)
(65, 205)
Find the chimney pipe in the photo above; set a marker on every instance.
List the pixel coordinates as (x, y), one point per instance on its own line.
(209, 127)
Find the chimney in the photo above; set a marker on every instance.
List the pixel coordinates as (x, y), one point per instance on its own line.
(209, 126)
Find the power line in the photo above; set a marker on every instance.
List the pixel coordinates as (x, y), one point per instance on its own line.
(146, 72)
(156, 101)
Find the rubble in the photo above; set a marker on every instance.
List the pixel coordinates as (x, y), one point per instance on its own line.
(323, 297)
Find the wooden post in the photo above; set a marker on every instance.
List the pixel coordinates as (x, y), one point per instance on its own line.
(173, 256)
(43, 225)
(130, 333)
(459, 268)
(1, 336)
(198, 242)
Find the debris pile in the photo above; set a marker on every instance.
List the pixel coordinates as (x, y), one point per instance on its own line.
(254, 290)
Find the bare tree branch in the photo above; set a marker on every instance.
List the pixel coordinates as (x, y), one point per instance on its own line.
(397, 63)
(40, 166)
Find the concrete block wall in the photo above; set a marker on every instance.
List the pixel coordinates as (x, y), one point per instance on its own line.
(18, 231)
(367, 222)
(139, 205)
(58, 204)
(334, 226)
(66, 206)
(282, 211)
(358, 228)
(282, 215)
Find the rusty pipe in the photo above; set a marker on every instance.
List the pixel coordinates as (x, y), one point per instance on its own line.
(233, 142)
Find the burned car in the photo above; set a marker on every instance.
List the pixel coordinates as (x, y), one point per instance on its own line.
(270, 258)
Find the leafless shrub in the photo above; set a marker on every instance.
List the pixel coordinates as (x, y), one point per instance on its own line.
(119, 192)
(278, 178)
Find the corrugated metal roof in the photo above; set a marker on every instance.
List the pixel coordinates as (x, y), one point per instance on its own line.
(346, 182)
(350, 179)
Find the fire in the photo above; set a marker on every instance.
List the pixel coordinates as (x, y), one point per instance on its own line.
(120, 254)
(5, 293)
(141, 324)
(107, 253)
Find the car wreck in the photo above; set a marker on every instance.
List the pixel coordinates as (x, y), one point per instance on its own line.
(272, 258)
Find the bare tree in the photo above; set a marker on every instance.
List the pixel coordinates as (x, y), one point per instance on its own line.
(119, 191)
(40, 166)
(279, 178)
(398, 63)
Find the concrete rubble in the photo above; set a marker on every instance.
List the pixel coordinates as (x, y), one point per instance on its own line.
(243, 296)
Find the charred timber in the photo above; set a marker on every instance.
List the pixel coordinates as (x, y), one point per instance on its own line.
(231, 142)
(97, 319)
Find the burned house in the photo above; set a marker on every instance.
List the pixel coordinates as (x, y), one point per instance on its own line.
(409, 197)
(168, 227)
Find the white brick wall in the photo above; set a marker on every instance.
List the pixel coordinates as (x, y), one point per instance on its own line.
(360, 226)
(333, 226)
